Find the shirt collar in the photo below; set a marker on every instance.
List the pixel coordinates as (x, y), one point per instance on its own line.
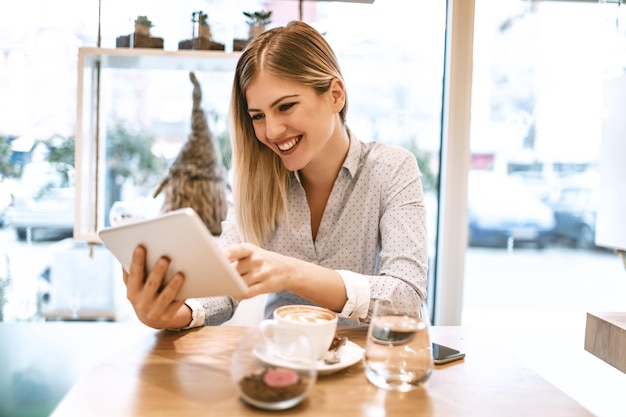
(351, 163)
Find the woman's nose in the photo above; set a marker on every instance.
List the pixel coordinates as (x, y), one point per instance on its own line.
(274, 127)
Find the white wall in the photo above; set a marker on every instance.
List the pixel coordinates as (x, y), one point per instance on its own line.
(611, 220)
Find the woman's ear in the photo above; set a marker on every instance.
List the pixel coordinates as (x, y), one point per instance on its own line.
(338, 94)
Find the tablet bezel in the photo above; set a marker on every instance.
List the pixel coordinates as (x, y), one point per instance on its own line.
(181, 236)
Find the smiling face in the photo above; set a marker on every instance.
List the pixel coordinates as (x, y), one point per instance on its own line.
(293, 120)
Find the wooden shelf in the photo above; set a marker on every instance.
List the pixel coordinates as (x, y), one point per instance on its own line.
(146, 58)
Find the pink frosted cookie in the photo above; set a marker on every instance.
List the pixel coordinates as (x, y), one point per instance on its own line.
(280, 377)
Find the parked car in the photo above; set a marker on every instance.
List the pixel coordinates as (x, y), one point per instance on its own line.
(537, 182)
(574, 205)
(502, 211)
(43, 201)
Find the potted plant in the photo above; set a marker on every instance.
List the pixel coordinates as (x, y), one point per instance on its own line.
(257, 22)
(142, 25)
(204, 39)
(141, 38)
(202, 19)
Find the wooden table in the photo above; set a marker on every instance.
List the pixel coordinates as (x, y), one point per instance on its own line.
(162, 373)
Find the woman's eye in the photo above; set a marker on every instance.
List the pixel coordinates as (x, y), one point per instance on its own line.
(257, 116)
(285, 107)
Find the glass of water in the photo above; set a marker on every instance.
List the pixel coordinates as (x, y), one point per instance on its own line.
(398, 353)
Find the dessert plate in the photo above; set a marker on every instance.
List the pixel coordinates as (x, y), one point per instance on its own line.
(349, 354)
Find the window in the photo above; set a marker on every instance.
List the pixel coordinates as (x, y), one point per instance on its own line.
(537, 111)
(393, 69)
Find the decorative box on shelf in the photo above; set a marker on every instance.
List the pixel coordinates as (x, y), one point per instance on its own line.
(202, 44)
(240, 44)
(138, 41)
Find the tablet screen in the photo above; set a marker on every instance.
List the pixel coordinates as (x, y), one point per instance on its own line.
(181, 236)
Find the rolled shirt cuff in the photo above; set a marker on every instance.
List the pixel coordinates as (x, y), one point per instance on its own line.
(358, 292)
(197, 313)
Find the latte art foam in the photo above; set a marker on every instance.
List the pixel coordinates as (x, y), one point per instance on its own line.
(304, 318)
(305, 314)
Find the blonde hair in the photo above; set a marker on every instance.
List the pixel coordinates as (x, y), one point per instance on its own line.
(298, 53)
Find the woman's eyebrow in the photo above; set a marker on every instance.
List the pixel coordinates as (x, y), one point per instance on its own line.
(275, 102)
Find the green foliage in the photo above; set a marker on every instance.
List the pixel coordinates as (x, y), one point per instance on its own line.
(258, 18)
(7, 168)
(225, 149)
(222, 140)
(129, 155)
(143, 21)
(430, 180)
(61, 154)
(60, 149)
(200, 17)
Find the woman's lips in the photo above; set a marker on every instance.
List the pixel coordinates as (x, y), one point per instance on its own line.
(286, 146)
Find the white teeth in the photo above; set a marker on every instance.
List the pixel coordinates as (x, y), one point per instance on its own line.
(288, 145)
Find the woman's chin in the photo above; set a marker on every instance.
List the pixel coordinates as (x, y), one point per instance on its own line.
(292, 166)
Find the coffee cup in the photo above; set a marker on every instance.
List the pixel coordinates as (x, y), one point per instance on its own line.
(317, 324)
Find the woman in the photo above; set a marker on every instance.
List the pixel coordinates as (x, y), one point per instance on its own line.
(319, 217)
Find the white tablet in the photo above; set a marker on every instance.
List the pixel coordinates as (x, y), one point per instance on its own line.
(181, 236)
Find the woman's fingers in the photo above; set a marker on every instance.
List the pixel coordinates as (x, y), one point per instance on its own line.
(159, 310)
(238, 252)
(154, 301)
(155, 278)
(142, 287)
(135, 277)
(246, 259)
(168, 293)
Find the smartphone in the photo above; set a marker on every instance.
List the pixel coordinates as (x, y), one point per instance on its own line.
(444, 354)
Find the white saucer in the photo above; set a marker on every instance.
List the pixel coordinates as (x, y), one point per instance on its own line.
(349, 354)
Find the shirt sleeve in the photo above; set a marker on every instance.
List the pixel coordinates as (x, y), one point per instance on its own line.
(197, 313)
(358, 291)
(403, 254)
(209, 311)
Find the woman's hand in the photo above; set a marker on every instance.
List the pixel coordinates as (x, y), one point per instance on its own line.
(266, 272)
(155, 306)
(263, 271)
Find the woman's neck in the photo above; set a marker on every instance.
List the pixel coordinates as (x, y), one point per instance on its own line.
(323, 170)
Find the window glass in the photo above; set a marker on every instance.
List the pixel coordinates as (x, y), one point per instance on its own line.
(392, 62)
(537, 108)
